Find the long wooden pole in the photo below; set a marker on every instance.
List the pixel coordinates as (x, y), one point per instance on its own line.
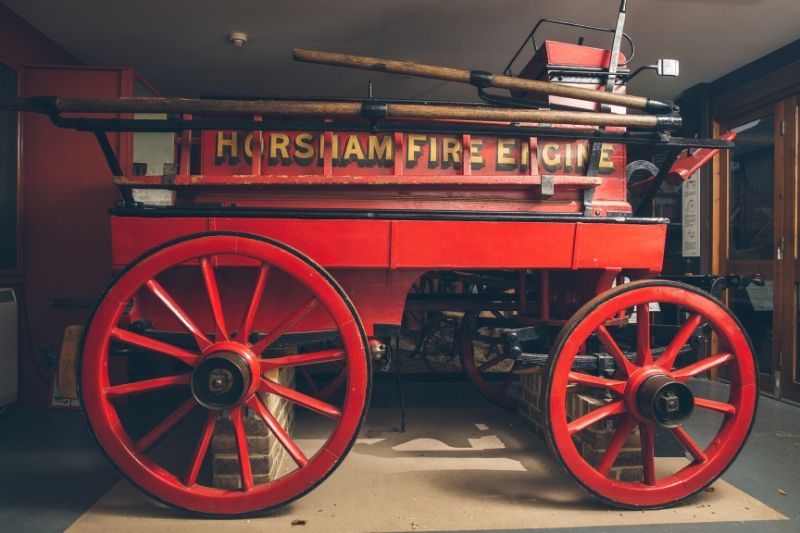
(481, 79)
(374, 109)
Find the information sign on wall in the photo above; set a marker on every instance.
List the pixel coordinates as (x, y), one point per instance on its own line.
(691, 216)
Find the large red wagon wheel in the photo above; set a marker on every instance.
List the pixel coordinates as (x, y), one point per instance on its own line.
(485, 362)
(222, 374)
(647, 390)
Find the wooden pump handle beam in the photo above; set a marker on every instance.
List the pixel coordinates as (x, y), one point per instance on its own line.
(482, 79)
(370, 108)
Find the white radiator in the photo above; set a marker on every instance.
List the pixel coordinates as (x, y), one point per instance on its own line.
(8, 347)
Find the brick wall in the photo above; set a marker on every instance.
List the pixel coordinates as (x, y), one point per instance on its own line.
(268, 459)
(593, 441)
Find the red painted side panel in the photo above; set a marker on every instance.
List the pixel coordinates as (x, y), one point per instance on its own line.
(629, 246)
(421, 244)
(338, 243)
(376, 261)
(66, 192)
(425, 244)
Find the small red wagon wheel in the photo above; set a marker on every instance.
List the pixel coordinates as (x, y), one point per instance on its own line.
(485, 362)
(221, 374)
(652, 386)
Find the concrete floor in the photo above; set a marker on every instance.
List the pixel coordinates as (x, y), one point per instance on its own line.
(53, 473)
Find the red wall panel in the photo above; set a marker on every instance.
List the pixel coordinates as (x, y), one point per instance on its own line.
(66, 192)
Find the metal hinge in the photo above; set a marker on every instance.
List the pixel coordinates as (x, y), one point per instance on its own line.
(779, 250)
(783, 127)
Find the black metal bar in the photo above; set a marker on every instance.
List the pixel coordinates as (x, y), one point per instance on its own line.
(108, 153)
(176, 125)
(354, 214)
(532, 37)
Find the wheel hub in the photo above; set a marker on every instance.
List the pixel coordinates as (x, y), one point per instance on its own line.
(665, 401)
(222, 380)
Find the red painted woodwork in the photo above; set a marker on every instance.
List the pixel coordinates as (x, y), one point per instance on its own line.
(20, 45)
(658, 487)
(553, 54)
(179, 485)
(376, 261)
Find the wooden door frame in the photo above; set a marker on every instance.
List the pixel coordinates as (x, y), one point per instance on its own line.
(777, 93)
(766, 267)
(790, 266)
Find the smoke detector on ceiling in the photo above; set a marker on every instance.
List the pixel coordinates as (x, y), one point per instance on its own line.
(237, 38)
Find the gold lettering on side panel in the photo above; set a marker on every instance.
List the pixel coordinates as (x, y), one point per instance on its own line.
(380, 151)
(278, 144)
(583, 157)
(505, 160)
(353, 151)
(231, 145)
(433, 153)
(476, 160)
(414, 150)
(606, 165)
(551, 157)
(451, 152)
(303, 149)
(247, 147)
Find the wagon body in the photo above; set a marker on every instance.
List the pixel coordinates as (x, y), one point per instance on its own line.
(275, 244)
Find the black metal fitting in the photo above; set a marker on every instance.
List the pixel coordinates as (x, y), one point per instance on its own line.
(480, 78)
(667, 402)
(657, 107)
(669, 122)
(374, 109)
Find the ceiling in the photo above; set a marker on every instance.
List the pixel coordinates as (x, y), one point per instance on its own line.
(181, 46)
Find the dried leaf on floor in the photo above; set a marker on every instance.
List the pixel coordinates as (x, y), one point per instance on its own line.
(298, 522)
(782, 492)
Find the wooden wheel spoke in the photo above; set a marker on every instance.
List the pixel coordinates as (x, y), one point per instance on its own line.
(701, 366)
(588, 380)
(720, 407)
(140, 341)
(301, 399)
(241, 448)
(202, 448)
(147, 385)
(310, 380)
(579, 424)
(283, 437)
(333, 385)
(667, 359)
(287, 323)
(648, 439)
(615, 445)
(614, 350)
(494, 361)
(163, 427)
(689, 445)
(312, 358)
(255, 300)
(213, 296)
(644, 354)
(180, 314)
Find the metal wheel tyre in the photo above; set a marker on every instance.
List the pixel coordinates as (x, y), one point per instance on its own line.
(649, 392)
(231, 296)
(485, 363)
